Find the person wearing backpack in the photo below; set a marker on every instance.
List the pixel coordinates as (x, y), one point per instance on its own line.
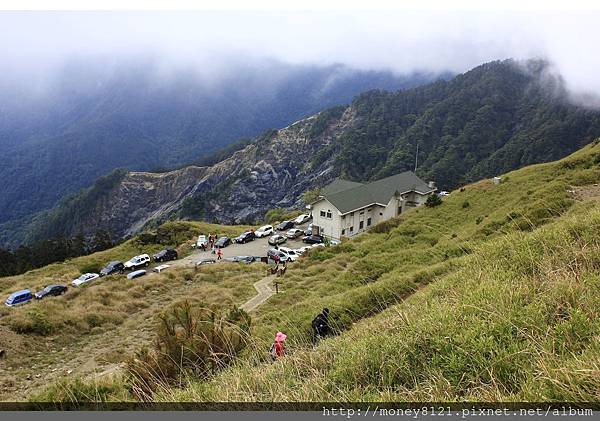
(320, 325)
(278, 348)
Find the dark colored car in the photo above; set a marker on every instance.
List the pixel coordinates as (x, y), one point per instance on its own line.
(245, 237)
(51, 290)
(285, 225)
(223, 242)
(165, 255)
(113, 267)
(312, 239)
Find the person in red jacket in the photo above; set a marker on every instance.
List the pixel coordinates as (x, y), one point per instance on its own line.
(278, 348)
(219, 253)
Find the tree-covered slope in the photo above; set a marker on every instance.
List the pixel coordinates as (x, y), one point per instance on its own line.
(492, 119)
(94, 117)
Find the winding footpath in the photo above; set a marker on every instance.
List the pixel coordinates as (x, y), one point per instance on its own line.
(264, 289)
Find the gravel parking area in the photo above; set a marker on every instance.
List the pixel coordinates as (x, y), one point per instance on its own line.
(257, 247)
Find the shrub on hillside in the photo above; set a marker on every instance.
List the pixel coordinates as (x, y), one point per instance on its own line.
(433, 201)
(385, 226)
(35, 321)
(190, 339)
(81, 391)
(90, 268)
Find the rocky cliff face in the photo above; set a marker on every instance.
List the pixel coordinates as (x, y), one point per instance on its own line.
(272, 172)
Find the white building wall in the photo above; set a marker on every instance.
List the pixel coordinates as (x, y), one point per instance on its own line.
(413, 199)
(334, 225)
(330, 227)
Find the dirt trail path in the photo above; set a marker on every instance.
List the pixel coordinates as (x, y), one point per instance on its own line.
(264, 291)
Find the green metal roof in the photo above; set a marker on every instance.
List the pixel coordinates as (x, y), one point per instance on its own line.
(347, 196)
(339, 185)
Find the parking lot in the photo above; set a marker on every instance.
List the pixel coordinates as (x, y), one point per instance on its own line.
(257, 247)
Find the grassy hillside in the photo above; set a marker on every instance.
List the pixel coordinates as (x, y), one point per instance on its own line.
(474, 299)
(99, 324)
(490, 296)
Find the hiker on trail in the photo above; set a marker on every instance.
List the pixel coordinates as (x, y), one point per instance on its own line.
(278, 348)
(219, 253)
(320, 325)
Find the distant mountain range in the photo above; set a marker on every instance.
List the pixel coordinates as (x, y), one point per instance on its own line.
(93, 117)
(497, 117)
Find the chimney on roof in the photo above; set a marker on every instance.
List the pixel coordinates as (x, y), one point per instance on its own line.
(431, 185)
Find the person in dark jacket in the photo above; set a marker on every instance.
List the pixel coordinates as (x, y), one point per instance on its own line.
(320, 325)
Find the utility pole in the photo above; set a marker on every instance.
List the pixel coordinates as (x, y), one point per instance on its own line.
(417, 158)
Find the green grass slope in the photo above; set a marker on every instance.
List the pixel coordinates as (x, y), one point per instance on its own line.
(491, 296)
(96, 326)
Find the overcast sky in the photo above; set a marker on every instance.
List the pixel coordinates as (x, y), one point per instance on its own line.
(34, 43)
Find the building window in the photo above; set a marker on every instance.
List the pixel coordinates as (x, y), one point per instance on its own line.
(352, 214)
(399, 210)
(362, 213)
(368, 222)
(329, 213)
(380, 213)
(361, 225)
(351, 229)
(322, 213)
(369, 210)
(343, 217)
(343, 232)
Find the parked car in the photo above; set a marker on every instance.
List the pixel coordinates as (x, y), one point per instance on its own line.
(312, 239)
(291, 253)
(244, 237)
(443, 193)
(165, 255)
(294, 233)
(137, 262)
(243, 259)
(160, 268)
(112, 267)
(205, 262)
(223, 242)
(51, 290)
(315, 245)
(278, 256)
(277, 239)
(18, 298)
(202, 242)
(136, 274)
(303, 250)
(85, 278)
(285, 225)
(334, 242)
(301, 219)
(264, 231)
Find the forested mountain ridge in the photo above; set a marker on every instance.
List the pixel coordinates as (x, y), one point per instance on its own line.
(92, 118)
(497, 117)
